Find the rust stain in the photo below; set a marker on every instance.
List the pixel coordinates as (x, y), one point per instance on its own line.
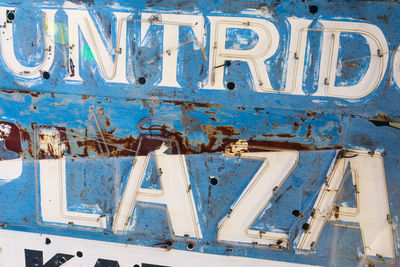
(336, 211)
(26, 137)
(127, 146)
(283, 135)
(117, 146)
(219, 138)
(208, 148)
(296, 126)
(12, 142)
(34, 94)
(52, 151)
(313, 114)
(147, 145)
(285, 145)
(309, 132)
(193, 104)
(228, 130)
(100, 111)
(354, 64)
(108, 123)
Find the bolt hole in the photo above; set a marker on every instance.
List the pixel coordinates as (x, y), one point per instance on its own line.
(35, 261)
(62, 260)
(228, 63)
(11, 15)
(230, 85)
(296, 213)
(45, 75)
(79, 254)
(313, 9)
(189, 245)
(48, 241)
(306, 227)
(142, 80)
(213, 180)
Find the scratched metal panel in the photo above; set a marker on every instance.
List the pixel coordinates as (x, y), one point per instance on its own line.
(90, 133)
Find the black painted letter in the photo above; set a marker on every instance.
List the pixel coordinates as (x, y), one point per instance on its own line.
(34, 258)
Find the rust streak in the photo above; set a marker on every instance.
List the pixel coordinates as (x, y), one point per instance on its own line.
(309, 128)
(219, 138)
(283, 135)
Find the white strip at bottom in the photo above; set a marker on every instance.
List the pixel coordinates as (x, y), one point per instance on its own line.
(14, 243)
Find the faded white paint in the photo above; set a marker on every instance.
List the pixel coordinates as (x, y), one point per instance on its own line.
(13, 243)
(274, 171)
(7, 45)
(171, 24)
(379, 56)
(111, 71)
(372, 214)
(175, 193)
(53, 188)
(10, 169)
(111, 59)
(268, 41)
(396, 67)
(296, 55)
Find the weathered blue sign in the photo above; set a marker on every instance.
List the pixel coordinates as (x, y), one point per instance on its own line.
(157, 133)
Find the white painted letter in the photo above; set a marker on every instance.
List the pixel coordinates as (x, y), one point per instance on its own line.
(176, 194)
(379, 55)
(274, 171)
(171, 24)
(372, 213)
(111, 71)
(268, 41)
(396, 67)
(7, 45)
(296, 55)
(53, 188)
